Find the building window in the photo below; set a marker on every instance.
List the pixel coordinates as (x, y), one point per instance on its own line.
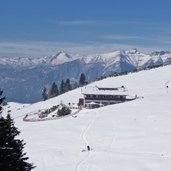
(87, 96)
(94, 96)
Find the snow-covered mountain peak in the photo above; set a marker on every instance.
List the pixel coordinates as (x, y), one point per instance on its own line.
(159, 53)
(139, 59)
(25, 61)
(113, 57)
(161, 56)
(106, 58)
(60, 58)
(22, 61)
(133, 51)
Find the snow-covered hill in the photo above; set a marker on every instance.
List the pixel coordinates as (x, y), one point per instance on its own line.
(18, 74)
(134, 136)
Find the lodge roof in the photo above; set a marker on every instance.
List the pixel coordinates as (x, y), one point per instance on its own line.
(94, 90)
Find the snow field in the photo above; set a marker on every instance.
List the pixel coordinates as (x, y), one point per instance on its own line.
(130, 136)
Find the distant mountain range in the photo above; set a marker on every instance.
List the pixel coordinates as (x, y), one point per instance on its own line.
(24, 78)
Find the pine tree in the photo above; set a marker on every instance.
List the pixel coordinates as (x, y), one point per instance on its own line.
(53, 91)
(62, 90)
(1, 92)
(82, 80)
(12, 157)
(67, 85)
(2, 98)
(44, 94)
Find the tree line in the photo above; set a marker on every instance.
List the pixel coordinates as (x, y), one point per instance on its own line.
(64, 87)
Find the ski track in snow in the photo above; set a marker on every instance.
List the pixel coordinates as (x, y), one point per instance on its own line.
(83, 137)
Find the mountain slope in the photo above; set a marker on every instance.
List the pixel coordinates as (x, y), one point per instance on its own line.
(18, 74)
(132, 136)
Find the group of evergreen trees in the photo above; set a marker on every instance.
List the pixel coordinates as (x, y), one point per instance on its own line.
(64, 87)
(53, 91)
(12, 157)
(64, 111)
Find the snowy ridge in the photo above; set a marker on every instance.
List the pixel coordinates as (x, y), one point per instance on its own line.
(133, 57)
(57, 59)
(132, 136)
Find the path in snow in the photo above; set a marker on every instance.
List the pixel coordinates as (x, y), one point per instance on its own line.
(83, 137)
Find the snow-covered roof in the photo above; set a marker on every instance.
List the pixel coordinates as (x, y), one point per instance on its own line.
(104, 90)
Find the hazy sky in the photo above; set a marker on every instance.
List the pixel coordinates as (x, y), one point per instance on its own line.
(42, 27)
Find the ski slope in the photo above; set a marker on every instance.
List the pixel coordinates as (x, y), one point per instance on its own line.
(130, 136)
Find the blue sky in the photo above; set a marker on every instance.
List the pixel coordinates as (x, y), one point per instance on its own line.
(42, 27)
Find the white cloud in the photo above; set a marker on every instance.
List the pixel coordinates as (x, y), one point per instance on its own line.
(39, 49)
(121, 37)
(77, 22)
(164, 39)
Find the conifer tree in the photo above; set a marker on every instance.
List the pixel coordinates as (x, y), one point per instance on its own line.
(2, 98)
(82, 80)
(53, 91)
(12, 157)
(67, 85)
(62, 85)
(44, 94)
